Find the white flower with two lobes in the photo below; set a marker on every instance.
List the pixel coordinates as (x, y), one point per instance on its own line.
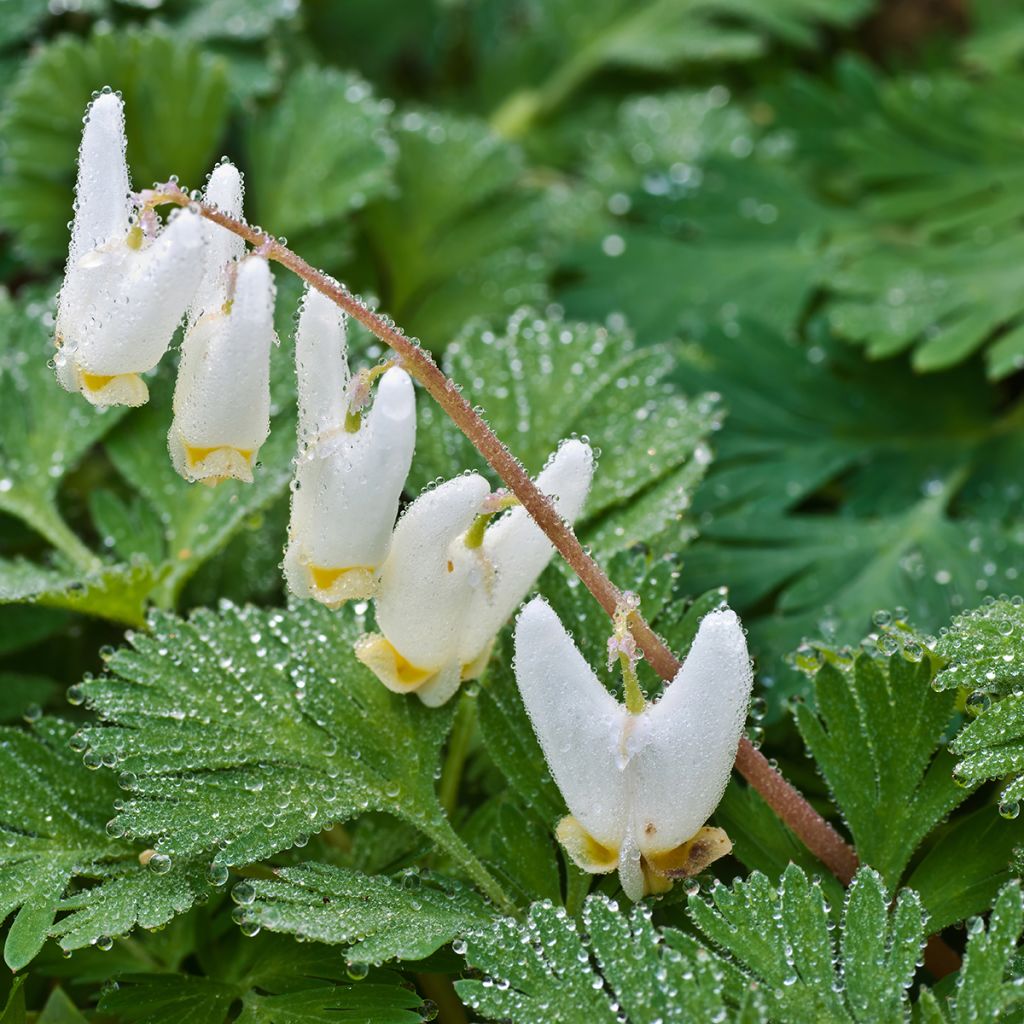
(351, 466)
(453, 577)
(639, 785)
(222, 395)
(125, 288)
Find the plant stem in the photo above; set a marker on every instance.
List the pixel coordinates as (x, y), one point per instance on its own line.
(809, 826)
(439, 829)
(458, 747)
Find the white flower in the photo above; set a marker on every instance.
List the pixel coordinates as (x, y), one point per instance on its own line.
(124, 291)
(222, 396)
(449, 584)
(350, 470)
(639, 786)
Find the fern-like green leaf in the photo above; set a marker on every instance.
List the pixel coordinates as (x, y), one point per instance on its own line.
(783, 941)
(548, 969)
(899, 785)
(240, 733)
(375, 917)
(548, 379)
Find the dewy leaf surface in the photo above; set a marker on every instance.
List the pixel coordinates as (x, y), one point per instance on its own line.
(542, 380)
(241, 732)
(44, 431)
(899, 785)
(375, 917)
(547, 968)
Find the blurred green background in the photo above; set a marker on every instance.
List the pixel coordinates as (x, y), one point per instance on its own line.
(814, 206)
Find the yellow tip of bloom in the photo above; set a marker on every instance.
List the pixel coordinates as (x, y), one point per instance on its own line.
(389, 665)
(216, 464)
(332, 586)
(113, 389)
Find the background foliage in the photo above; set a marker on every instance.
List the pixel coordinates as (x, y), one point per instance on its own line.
(767, 255)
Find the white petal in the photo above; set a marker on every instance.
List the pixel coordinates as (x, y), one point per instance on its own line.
(427, 580)
(344, 507)
(102, 205)
(222, 398)
(122, 306)
(577, 721)
(321, 367)
(683, 747)
(518, 549)
(224, 248)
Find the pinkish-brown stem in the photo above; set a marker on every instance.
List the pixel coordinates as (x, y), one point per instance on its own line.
(809, 826)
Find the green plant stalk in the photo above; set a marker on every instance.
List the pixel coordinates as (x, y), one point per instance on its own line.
(784, 799)
(440, 831)
(43, 517)
(458, 747)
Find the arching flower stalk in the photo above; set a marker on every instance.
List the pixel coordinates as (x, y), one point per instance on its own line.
(453, 577)
(641, 779)
(351, 466)
(128, 282)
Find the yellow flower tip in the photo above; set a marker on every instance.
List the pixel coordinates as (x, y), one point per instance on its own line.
(215, 464)
(660, 868)
(689, 858)
(585, 851)
(113, 389)
(389, 665)
(333, 586)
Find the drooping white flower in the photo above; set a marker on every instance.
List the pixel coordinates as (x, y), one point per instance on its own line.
(639, 786)
(222, 396)
(350, 469)
(124, 291)
(451, 581)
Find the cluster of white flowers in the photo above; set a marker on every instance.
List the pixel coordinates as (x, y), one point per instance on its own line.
(640, 780)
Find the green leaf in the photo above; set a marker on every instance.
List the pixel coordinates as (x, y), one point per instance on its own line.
(984, 649)
(933, 164)
(52, 829)
(59, 1009)
(555, 971)
(467, 231)
(236, 20)
(377, 918)
(898, 786)
(240, 733)
(557, 46)
(763, 842)
(44, 431)
(276, 982)
(321, 152)
(968, 862)
(20, 691)
(548, 379)
(702, 200)
(130, 895)
(175, 105)
(983, 991)
(14, 1011)
(129, 528)
(116, 592)
(782, 941)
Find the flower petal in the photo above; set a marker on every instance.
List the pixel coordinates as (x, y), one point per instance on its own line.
(578, 722)
(224, 248)
(222, 397)
(427, 579)
(683, 748)
(321, 367)
(518, 549)
(102, 202)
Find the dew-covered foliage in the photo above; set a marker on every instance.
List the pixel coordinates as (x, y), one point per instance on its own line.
(760, 263)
